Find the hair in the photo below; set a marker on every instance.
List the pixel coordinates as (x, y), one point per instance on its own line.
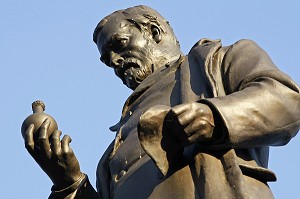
(141, 17)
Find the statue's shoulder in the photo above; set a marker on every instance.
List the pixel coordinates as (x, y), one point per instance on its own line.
(206, 49)
(245, 45)
(208, 43)
(245, 48)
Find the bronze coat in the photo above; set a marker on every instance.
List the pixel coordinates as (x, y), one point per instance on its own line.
(257, 106)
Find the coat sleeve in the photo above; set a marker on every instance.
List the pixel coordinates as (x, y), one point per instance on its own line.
(82, 189)
(262, 104)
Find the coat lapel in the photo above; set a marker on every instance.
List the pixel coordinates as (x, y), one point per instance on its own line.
(204, 56)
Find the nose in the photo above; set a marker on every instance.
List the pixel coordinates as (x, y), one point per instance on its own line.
(116, 60)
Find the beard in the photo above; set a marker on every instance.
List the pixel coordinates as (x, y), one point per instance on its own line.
(133, 72)
(134, 76)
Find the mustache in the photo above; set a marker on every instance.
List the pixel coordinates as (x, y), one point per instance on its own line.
(127, 64)
(133, 69)
(131, 62)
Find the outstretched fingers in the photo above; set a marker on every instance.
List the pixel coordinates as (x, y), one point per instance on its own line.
(32, 148)
(55, 143)
(65, 146)
(29, 142)
(44, 139)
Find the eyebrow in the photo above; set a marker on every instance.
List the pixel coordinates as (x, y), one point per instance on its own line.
(136, 24)
(111, 38)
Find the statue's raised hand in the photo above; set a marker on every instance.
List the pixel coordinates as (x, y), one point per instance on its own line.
(53, 155)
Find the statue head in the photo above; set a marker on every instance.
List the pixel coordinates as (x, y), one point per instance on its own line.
(135, 42)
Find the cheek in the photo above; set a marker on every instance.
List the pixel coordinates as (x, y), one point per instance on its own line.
(141, 44)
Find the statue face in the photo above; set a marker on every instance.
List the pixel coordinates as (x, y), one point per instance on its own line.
(131, 53)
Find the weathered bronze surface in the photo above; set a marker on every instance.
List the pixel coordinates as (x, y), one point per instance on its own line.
(196, 126)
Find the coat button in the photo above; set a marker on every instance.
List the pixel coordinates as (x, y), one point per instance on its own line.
(120, 175)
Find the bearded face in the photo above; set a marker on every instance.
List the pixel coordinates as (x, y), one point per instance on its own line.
(132, 53)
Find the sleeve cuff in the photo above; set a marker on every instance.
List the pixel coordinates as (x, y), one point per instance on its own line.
(67, 192)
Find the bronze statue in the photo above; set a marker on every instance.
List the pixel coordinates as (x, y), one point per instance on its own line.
(195, 126)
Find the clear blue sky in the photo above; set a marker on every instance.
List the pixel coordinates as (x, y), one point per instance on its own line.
(47, 53)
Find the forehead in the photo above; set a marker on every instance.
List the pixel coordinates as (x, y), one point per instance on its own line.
(114, 26)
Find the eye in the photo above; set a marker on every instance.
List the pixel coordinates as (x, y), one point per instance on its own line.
(120, 42)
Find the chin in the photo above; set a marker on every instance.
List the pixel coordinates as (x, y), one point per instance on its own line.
(132, 81)
(132, 84)
(132, 87)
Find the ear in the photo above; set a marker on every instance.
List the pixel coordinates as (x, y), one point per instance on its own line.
(156, 33)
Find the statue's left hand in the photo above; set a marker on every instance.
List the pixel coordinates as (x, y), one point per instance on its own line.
(191, 122)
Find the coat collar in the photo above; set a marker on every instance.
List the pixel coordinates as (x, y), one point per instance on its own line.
(204, 53)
